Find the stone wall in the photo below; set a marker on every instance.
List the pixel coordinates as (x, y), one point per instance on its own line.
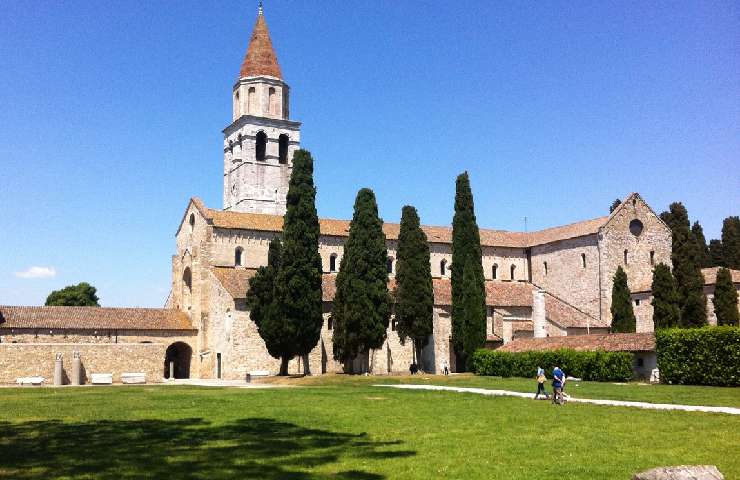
(34, 359)
(567, 275)
(616, 238)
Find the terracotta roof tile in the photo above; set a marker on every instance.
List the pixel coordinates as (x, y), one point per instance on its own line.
(89, 318)
(611, 342)
(435, 234)
(260, 58)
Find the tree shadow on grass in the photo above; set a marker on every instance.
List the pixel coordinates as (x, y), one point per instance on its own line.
(184, 449)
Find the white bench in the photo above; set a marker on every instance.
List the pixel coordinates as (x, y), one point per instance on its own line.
(30, 380)
(101, 378)
(133, 378)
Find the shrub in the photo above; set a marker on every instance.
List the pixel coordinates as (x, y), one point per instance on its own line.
(598, 365)
(702, 356)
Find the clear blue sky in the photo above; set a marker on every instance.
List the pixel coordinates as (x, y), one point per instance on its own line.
(111, 117)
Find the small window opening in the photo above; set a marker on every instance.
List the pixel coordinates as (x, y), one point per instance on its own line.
(494, 271)
(637, 302)
(187, 278)
(512, 269)
(333, 262)
(640, 362)
(251, 100)
(389, 264)
(330, 324)
(238, 256)
(191, 221)
(261, 145)
(545, 265)
(443, 268)
(652, 258)
(272, 101)
(393, 324)
(625, 257)
(283, 148)
(583, 260)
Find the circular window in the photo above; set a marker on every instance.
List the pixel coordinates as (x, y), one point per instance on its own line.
(636, 227)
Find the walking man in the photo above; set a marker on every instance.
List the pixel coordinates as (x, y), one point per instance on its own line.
(558, 378)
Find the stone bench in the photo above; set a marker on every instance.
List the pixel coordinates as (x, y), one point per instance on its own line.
(257, 373)
(101, 378)
(30, 380)
(133, 378)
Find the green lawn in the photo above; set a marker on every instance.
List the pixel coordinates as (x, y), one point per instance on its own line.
(343, 429)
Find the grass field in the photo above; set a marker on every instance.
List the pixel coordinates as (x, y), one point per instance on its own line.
(344, 428)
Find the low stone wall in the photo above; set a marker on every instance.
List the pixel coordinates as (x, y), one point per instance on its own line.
(27, 359)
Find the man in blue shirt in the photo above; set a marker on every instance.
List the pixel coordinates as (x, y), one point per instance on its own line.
(558, 378)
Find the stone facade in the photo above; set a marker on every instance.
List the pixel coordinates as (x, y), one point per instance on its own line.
(37, 359)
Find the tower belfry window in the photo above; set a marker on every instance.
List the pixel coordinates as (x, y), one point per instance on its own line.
(283, 148)
(251, 101)
(260, 146)
(494, 271)
(513, 269)
(443, 268)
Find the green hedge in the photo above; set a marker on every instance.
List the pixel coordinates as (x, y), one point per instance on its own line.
(699, 356)
(598, 365)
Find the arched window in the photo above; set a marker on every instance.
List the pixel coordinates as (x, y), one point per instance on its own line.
(251, 101)
(544, 265)
(238, 256)
(260, 145)
(652, 257)
(191, 221)
(512, 269)
(583, 260)
(494, 271)
(237, 107)
(389, 264)
(625, 257)
(443, 267)
(283, 148)
(333, 263)
(187, 279)
(272, 101)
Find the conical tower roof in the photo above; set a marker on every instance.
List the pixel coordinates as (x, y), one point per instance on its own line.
(260, 58)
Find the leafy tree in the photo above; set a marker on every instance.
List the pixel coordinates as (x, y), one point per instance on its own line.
(666, 313)
(623, 317)
(686, 270)
(731, 242)
(81, 295)
(702, 251)
(614, 205)
(725, 299)
(298, 286)
(466, 247)
(362, 304)
(414, 293)
(716, 255)
(264, 309)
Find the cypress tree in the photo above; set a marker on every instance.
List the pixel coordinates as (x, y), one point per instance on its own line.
(686, 270)
(623, 317)
(414, 293)
(731, 242)
(466, 247)
(264, 309)
(474, 309)
(362, 305)
(666, 313)
(716, 256)
(725, 299)
(298, 286)
(702, 251)
(614, 205)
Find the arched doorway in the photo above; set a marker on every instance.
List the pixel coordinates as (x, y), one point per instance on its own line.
(179, 354)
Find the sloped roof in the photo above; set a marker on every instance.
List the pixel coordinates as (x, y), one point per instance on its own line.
(435, 234)
(498, 294)
(610, 342)
(260, 58)
(91, 318)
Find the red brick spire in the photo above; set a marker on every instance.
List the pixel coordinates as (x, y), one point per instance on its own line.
(260, 58)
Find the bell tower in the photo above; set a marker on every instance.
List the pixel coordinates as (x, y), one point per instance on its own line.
(260, 142)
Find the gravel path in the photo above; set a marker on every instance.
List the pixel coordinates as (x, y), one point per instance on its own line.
(615, 403)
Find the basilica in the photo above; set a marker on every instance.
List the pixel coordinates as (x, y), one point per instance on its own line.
(549, 283)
